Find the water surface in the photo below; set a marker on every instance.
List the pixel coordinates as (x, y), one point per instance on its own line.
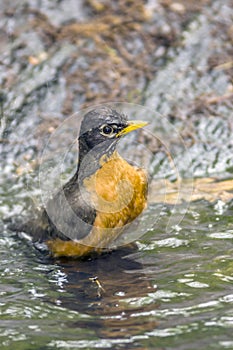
(174, 292)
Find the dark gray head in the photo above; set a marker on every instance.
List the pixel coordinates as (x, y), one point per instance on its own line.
(100, 131)
(101, 123)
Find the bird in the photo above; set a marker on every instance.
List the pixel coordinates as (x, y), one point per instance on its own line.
(87, 215)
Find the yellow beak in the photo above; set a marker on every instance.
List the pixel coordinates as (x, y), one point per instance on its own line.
(131, 125)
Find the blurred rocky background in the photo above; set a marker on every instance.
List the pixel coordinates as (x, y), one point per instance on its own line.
(175, 58)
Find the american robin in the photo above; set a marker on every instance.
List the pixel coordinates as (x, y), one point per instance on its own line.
(89, 213)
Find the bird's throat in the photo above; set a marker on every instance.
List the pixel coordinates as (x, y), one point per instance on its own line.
(90, 160)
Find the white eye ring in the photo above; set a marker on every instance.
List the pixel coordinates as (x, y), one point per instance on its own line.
(108, 130)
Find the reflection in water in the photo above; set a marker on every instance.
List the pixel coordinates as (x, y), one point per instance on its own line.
(102, 287)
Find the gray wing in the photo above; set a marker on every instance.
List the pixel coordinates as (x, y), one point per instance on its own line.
(67, 216)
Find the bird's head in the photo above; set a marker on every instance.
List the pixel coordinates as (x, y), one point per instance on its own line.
(105, 126)
(101, 129)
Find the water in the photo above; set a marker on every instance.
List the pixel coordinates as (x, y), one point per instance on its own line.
(174, 292)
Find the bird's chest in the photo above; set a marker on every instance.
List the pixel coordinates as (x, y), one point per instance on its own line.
(118, 193)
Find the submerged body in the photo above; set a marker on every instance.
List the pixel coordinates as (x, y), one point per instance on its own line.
(106, 193)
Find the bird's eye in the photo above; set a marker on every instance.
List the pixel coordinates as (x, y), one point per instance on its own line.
(107, 130)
